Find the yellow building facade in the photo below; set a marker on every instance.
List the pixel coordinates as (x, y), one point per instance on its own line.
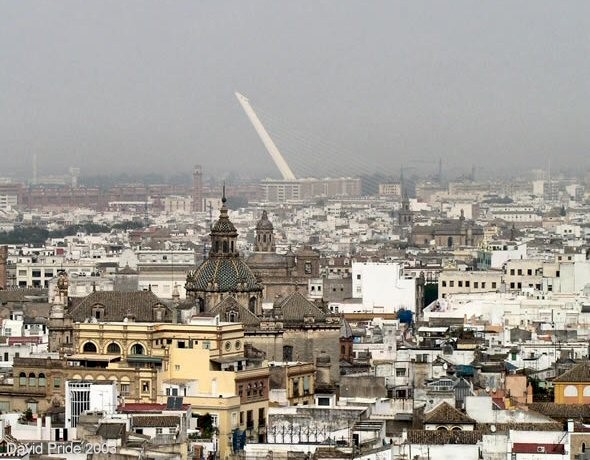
(573, 386)
(203, 362)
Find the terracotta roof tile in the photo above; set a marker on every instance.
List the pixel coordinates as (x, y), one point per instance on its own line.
(445, 413)
(578, 373)
(156, 421)
(295, 307)
(118, 304)
(244, 316)
(440, 437)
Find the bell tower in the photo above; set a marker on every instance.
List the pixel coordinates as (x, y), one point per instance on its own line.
(265, 238)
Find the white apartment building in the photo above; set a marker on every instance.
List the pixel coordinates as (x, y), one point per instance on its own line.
(34, 271)
(164, 271)
(466, 282)
(497, 253)
(382, 287)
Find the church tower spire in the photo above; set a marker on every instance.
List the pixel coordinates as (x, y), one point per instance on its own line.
(223, 234)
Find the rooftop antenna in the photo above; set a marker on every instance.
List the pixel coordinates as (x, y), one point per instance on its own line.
(265, 138)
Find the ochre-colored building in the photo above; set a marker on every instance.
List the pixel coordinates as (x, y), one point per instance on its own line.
(202, 361)
(573, 386)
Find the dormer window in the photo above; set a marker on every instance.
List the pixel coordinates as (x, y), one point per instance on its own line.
(98, 312)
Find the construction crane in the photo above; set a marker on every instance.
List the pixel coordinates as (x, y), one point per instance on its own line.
(265, 138)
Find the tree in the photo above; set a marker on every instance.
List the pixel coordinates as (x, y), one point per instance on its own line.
(205, 423)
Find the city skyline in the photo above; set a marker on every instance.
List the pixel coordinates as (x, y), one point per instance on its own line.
(347, 89)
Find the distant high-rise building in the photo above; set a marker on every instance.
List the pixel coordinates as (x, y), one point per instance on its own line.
(198, 189)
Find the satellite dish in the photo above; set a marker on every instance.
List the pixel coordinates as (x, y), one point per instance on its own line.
(487, 389)
(493, 390)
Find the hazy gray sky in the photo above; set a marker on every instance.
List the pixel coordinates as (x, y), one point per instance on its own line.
(147, 86)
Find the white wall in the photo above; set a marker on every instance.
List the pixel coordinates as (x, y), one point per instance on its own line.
(382, 285)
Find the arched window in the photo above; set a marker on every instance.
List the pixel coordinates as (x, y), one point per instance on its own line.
(89, 347)
(456, 428)
(42, 380)
(114, 348)
(287, 353)
(232, 246)
(586, 392)
(32, 380)
(442, 428)
(583, 447)
(232, 316)
(252, 304)
(217, 246)
(450, 241)
(570, 391)
(225, 246)
(201, 304)
(22, 379)
(137, 349)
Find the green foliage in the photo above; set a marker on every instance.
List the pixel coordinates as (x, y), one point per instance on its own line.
(128, 225)
(499, 200)
(430, 293)
(25, 235)
(205, 424)
(37, 236)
